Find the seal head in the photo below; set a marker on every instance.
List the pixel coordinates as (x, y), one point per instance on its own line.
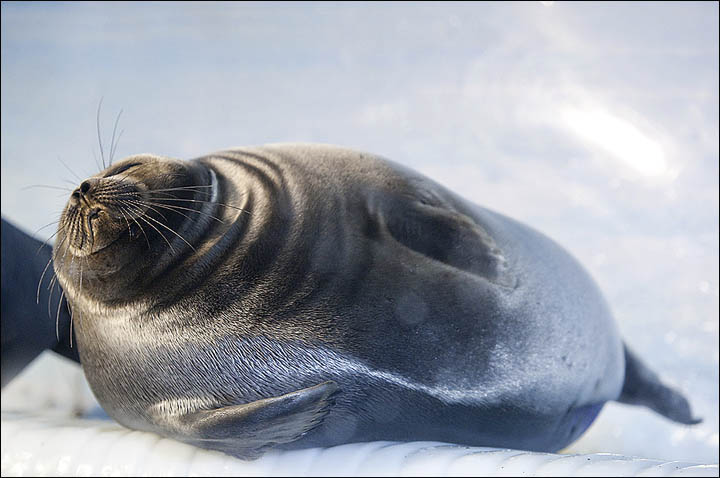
(135, 208)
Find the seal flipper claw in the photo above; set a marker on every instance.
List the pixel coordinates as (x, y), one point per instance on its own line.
(247, 430)
(643, 387)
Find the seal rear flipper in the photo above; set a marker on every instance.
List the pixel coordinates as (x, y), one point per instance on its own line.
(643, 387)
(247, 430)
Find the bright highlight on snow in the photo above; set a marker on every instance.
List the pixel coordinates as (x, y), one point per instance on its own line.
(618, 137)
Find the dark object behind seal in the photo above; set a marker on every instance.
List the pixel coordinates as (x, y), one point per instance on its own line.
(28, 322)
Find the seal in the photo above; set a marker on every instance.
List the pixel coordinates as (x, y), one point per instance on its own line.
(307, 295)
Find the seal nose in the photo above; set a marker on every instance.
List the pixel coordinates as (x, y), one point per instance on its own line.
(86, 187)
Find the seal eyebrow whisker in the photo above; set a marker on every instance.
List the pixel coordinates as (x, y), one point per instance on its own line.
(112, 141)
(97, 124)
(97, 163)
(70, 170)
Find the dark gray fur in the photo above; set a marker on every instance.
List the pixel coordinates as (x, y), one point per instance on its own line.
(353, 300)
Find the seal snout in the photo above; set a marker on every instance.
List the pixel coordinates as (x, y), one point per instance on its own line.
(97, 211)
(85, 190)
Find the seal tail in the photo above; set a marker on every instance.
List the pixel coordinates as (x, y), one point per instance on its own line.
(643, 387)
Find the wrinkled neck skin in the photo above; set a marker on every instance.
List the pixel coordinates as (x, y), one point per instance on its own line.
(149, 254)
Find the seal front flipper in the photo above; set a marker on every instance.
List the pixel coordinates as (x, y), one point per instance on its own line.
(247, 430)
(427, 225)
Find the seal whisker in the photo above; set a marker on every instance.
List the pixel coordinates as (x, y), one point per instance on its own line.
(173, 208)
(42, 276)
(71, 328)
(46, 225)
(78, 228)
(51, 290)
(183, 188)
(135, 202)
(112, 141)
(70, 170)
(158, 231)
(171, 230)
(67, 248)
(72, 315)
(37, 294)
(45, 242)
(45, 186)
(149, 205)
(52, 282)
(97, 163)
(206, 202)
(57, 317)
(126, 222)
(97, 124)
(138, 224)
(145, 219)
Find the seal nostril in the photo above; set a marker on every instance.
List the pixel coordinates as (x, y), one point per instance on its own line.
(84, 187)
(76, 194)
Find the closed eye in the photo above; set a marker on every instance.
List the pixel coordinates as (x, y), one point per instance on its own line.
(122, 169)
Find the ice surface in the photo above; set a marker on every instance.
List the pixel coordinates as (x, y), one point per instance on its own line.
(595, 123)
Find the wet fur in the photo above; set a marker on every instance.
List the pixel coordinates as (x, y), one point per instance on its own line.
(393, 308)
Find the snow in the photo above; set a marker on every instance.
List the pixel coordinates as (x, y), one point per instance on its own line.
(594, 123)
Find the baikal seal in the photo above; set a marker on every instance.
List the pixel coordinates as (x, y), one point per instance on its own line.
(298, 295)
